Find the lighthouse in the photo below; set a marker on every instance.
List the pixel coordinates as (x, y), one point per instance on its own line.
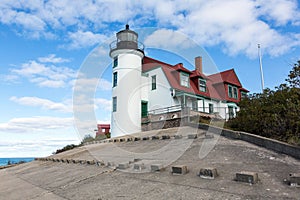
(127, 54)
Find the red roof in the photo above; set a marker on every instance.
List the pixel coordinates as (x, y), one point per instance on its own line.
(228, 76)
(196, 73)
(104, 126)
(214, 90)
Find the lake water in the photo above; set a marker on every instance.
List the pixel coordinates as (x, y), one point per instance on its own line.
(4, 161)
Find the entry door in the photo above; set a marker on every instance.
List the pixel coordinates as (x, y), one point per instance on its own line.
(144, 108)
(231, 112)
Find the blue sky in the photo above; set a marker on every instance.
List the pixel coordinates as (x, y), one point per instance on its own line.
(46, 45)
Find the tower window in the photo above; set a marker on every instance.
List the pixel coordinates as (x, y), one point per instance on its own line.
(154, 82)
(184, 80)
(202, 85)
(114, 104)
(115, 61)
(115, 79)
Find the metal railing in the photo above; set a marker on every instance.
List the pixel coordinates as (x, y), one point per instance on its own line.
(114, 45)
(217, 111)
(165, 110)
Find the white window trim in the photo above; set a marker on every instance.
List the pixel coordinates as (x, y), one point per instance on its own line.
(185, 75)
(231, 94)
(202, 86)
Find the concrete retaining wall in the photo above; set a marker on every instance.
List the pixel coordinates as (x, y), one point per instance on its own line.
(163, 124)
(271, 144)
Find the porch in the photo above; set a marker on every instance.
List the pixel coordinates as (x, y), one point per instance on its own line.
(174, 116)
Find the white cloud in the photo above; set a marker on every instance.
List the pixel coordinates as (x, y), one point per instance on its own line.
(104, 104)
(214, 22)
(43, 103)
(82, 39)
(44, 75)
(35, 148)
(45, 82)
(88, 104)
(168, 39)
(81, 104)
(279, 11)
(237, 26)
(81, 83)
(51, 58)
(10, 78)
(38, 123)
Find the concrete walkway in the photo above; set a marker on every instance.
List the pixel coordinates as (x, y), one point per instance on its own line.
(63, 180)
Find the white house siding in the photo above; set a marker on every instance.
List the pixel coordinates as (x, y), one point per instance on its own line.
(145, 87)
(223, 111)
(206, 105)
(161, 96)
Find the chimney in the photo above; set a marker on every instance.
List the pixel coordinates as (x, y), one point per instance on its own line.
(198, 64)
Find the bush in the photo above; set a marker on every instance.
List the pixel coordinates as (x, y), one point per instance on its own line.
(66, 148)
(87, 138)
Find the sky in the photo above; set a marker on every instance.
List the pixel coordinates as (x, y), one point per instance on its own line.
(55, 72)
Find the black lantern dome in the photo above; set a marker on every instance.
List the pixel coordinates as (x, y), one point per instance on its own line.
(126, 39)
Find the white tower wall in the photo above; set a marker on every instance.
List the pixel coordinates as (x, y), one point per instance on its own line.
(127, 118)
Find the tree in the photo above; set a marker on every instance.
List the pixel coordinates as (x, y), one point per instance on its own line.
(294, 76)
(87, 138)
(273, 114)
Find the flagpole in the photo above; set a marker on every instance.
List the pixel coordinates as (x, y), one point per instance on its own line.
(261, 69)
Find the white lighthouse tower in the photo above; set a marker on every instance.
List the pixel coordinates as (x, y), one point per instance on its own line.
(127, 54)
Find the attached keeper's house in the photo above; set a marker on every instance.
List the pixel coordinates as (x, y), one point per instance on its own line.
(147, 90)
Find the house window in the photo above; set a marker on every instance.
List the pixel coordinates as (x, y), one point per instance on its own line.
(115, 61)
(195, 105)
(235, 94)
(243, 95)
(115, 79)
(211, 108)
(114, 104)
(154, 82)
(184, 79)
(232, 92)
(202, 85)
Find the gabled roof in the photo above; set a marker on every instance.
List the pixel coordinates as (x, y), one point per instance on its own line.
(179, 67)
(228, 76)
(214, 90)
(196, 73)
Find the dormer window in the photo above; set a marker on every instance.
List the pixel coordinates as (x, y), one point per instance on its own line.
(235, 93)
(243, 94)
(202, 85)
(232, 92)
(184, 79)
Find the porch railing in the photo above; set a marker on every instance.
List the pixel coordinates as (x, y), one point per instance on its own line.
(165, 110)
